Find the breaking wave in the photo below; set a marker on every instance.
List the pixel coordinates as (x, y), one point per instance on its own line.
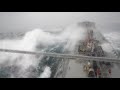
(29, 66)
(114, 42)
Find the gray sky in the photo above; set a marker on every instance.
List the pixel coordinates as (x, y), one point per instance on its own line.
(25, 21)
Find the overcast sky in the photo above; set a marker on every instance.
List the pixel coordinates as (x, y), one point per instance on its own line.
(25, 21)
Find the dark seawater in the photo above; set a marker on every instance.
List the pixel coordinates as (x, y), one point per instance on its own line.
(52, 62)
(6, 70)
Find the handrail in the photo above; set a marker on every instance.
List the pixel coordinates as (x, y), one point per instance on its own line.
(68, 56)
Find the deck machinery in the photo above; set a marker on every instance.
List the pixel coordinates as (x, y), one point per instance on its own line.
(91, 47)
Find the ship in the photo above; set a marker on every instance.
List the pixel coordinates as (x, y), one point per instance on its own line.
(90, 46)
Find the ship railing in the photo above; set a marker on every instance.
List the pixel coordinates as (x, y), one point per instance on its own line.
(67, 56)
